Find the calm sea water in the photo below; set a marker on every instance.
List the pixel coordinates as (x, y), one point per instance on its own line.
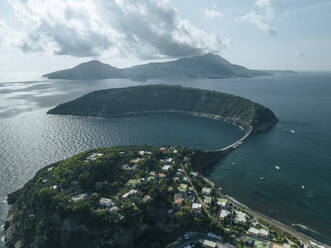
(30, 139)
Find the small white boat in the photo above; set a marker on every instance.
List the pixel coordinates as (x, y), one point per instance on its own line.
(292, 131)
(303, 186)
(261, 178)
(277, 167)
(233, 163)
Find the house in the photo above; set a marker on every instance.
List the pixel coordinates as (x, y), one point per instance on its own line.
(130, 194)
(166, 167)
(206, 191)
(132, 183)
(141, 153)
(178, 202)
(194, 174)
(312, 244)
(162, 149)
(182, 188)
(94, 156)
(135, 161)
(106, 202)
(196, 208)
(224, 214)
(240, 217)
(147, 198)
(207, 200)
(258, 233)
(222, 202)
(162, 175)
(209, 244)
(79, 197)
(170, 189)
(114, 210)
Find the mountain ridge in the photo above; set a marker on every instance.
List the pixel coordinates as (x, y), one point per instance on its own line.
(202, 66)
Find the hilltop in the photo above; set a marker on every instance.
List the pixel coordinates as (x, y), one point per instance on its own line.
(136, 196)
(165, 98)
(203, 66)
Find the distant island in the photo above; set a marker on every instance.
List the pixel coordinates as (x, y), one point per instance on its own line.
(203, 66)
(135, 196)
(166, 98)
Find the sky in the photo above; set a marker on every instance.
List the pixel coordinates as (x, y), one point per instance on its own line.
(39, 36)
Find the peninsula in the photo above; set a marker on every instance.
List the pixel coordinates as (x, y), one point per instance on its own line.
(203, 66)
(136, 196)
(165, 98)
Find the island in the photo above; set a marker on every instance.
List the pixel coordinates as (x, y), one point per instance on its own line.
(202, 66)
(166, 98)
(134, 196)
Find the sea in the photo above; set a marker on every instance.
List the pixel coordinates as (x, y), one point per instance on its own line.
(294, 158)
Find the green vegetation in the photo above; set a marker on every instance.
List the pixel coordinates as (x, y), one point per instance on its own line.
(136, 196)
(154, 98)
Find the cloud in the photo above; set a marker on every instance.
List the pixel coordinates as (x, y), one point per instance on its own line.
(261, 17)
(145, 29)
(258, 20)
(212, 14)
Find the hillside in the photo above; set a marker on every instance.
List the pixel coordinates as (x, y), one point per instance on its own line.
(136, 196)
(154, 98)
(204, 66)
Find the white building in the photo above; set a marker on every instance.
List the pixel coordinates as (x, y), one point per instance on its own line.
(224, 214)
(240, 217)
(106, 202)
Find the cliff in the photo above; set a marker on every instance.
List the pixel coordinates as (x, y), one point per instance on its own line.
(155, 98)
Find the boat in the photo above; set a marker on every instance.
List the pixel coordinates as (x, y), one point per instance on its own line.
(292, 131)
(277, 167)
(303, 186)
(233, 163)
(261, 178)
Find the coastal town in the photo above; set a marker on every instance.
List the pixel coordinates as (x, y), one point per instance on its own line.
(197, 213)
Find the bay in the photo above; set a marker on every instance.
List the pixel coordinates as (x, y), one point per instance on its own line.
(30, 139)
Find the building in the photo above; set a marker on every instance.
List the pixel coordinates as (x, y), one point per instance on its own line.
(135, 161)
(259, 233)
(206, 191)
(132, 183)
(182, 188)
(106, 202)
(196, 208)
(207, 200)
(130, 194)
(79, 197)
(312, 244)
(162, 175)
(209, 244)
(94, 156)
(166, 167)
(240, 217)
(222, 202)
(224, 214)
(147, 198)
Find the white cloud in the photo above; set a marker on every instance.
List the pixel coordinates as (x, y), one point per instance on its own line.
(146, 29)
(261, 17)
(258, 20)
(209, 13)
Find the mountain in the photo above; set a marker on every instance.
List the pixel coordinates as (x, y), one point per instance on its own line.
(165, 98)
(93, 69)
(203, 66)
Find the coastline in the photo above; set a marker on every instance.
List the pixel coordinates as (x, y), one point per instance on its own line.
(276, 224)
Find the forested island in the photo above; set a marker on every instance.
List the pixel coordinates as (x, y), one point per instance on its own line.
(165, 98)
(136, 196)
